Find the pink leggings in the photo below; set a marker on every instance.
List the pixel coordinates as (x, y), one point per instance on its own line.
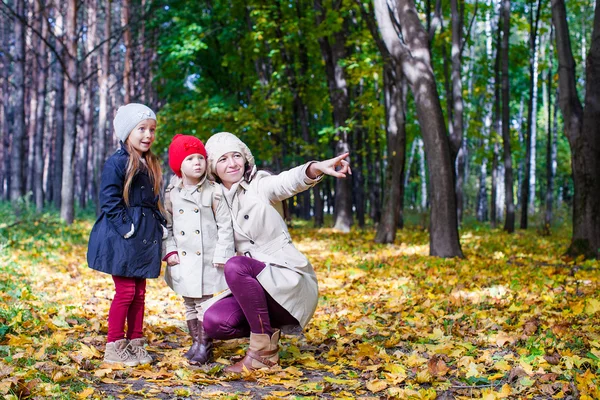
(127, 305)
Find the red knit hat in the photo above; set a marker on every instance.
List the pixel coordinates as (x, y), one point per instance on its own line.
(182, 146)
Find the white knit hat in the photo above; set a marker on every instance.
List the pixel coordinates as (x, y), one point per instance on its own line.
(222, 143)
(128, 116)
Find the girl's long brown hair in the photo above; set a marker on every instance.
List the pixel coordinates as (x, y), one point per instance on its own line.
(134, 165)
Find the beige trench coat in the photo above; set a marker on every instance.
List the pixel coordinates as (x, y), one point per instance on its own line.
(200, 236)
(261, 233)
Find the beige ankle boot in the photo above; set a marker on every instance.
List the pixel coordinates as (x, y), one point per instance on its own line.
(263, 352)
(118, 352)
(138, 350)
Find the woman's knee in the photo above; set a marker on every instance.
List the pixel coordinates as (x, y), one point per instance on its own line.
(235, 267)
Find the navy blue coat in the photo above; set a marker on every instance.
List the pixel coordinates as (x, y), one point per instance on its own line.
(108, 251)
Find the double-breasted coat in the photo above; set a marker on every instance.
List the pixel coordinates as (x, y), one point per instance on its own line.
(201, 237)
(261, 233)
(139, 256)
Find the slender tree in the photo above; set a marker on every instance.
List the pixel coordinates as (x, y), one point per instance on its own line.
(18, 132)
(509, 222)
(67, 207)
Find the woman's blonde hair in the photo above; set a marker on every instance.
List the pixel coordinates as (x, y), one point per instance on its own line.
(134, 165)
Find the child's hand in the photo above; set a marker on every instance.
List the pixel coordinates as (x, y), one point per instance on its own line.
(219, 265)
(130, 233)
(173, 260)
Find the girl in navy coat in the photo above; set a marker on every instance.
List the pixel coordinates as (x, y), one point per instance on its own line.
(126, 240)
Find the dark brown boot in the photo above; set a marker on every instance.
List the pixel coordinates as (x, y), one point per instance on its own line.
(263, 352)
(205, 347)
(193, 328)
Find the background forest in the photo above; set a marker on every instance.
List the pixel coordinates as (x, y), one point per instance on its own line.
(301, 80)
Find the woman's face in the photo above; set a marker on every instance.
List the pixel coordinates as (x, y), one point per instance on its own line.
(230, 168)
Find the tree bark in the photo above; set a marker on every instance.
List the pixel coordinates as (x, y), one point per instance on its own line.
(42, 61)
(509, 222)
(528, 184)
(59, 108)
(5, 110)
(550, 141)
(67, 209)
(18, 133)
(103, 73)
(456, 137)
(414, 58)
(333, 51)
(394, 87)
(582, 128)
(128, 61)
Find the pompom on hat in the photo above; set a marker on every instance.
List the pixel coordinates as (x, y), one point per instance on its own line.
(223, 143)
(182, 146)
(128, 116)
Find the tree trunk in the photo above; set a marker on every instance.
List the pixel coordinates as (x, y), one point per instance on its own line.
(582, 128)
(59, 108)
(128, 61)
(528, 184)
(18, 134)
(456, 137)
(509, 222)
(333, 51)
(42, 57)
(5, 110)
(67, 210)
(414, 58)
(103, 73)
(394, 84)
(550, 141)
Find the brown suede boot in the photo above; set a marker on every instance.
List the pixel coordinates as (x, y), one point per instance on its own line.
(193, 328)
(204, 350)
(263, 352)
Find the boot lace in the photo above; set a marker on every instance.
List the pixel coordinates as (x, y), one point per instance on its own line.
(138, 351)
(125, 354)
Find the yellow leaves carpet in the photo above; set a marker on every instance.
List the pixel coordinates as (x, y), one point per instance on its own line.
(513, 319)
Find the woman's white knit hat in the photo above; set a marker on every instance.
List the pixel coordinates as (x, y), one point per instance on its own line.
(222, 143)
(128, 116)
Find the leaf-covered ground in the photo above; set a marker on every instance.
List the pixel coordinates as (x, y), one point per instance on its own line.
(512, 320)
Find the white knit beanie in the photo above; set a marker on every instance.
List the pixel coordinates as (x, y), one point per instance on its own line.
(128, 117)
(222, 143)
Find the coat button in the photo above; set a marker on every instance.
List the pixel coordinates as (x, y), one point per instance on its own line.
(182, 233)
(246, 216)
(155, 242)
(195, 210)
(143, 214)
(197, 232)
(180, 211)
(144, 241)
(197, 253)
(143, 187)
(252, 242)
(183, 253)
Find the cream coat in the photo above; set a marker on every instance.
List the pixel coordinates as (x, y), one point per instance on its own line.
(261, 233)
(200, 236)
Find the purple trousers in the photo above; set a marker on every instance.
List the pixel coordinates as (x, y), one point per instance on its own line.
(250, 309)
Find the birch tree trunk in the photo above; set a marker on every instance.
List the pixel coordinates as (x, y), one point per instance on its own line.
(528, 184)
(509, 222)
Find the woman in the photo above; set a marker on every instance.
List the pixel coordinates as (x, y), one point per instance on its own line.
(272, 283)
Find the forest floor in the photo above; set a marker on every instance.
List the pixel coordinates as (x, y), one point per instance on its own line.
(514, 319)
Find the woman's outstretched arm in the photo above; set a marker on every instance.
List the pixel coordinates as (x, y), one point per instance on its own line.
(337, 167)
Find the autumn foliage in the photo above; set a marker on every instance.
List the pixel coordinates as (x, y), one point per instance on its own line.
(511, 320)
